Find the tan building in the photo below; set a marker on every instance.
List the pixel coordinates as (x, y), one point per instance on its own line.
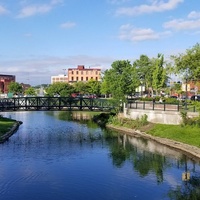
(59, 78)
(5, 80)
(83, 74)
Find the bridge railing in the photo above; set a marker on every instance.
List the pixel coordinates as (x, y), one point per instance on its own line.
(55, 103)
(146, 105)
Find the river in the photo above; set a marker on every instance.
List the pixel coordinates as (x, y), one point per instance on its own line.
(57, 156)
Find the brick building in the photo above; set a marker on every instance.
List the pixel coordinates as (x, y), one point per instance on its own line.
(83, 74)
(5, 81)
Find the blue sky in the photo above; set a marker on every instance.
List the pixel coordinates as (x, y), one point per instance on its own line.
(40, 38)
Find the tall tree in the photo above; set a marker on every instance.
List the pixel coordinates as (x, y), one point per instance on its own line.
(122, 79)
(144, 70)
(15, 87)
(159, 73)
(188, 62)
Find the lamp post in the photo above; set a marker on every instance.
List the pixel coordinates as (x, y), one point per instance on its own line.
(186, 89)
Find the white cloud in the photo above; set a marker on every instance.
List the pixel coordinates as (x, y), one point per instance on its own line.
(156, 6)
(192, 22)
(3, 10)
(131, 33)
(32, 10)
(194, 15)
(68, 25)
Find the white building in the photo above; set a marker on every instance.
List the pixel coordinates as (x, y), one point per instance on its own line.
(59, 78)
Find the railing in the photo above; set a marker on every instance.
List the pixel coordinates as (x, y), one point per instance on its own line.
(55, 103)
(146, 105)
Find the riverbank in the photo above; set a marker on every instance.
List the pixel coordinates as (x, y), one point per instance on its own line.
(190, 150)
(9, 127)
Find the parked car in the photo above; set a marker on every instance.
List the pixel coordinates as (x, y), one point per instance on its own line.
(195, 98)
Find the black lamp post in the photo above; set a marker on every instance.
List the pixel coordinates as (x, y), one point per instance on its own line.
(186, 89)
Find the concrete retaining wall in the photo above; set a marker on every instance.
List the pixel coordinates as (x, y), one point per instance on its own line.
(162, 117)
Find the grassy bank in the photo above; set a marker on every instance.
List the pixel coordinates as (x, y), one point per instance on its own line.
(183, 133)
(5, 125)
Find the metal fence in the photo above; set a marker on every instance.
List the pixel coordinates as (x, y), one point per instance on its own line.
(146, 105)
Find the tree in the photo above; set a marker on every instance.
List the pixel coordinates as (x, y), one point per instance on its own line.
(188, 62)
(15, 88)
(61, 89)
(94, 87)
(81, 87)
(159, 73)
(122, 79)
(30, 91)
(144, 70)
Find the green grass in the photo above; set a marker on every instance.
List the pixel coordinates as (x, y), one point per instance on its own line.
(186, 134)
(5, 125)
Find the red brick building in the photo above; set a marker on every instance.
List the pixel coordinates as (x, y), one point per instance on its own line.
(5, 81)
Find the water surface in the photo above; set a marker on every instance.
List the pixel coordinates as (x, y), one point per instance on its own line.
(54, 156)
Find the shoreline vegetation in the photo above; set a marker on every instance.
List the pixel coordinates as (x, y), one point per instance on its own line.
(183, 137)
(7, 128)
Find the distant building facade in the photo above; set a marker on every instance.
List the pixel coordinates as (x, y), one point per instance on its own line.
(5, 80)
(59, 78)
(83, 74)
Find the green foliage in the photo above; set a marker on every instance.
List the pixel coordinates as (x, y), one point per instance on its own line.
(128, 123)
(30, 91)
(121, 79)
(94, 87)
(60, 88)
(81, 87)
(159, 73)
(15, 87)
(188, 62)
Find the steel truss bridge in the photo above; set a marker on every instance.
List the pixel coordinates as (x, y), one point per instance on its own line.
(55, 103)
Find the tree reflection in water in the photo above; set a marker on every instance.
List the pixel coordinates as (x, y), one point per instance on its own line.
(146, 162)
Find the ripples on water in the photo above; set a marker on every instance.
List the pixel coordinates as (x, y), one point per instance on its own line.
(51, 157)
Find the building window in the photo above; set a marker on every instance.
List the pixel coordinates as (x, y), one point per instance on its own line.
(96, 79)
(76, 72)
(72, 72)
(86, 78)
(77, 78)
(81, 78)
(72, 78)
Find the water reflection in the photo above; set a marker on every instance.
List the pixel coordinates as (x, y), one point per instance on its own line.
(64, 155)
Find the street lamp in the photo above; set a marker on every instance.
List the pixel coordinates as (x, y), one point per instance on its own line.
(64, 72)
(186, 89)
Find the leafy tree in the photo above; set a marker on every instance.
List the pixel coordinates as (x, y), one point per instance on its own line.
(93, 87)
(122, 79)
(159, 73)
(15, 87)
(188, 62)
(144, 70)
(81, 87)
(30, 91)
(60, 88)
(105, 88)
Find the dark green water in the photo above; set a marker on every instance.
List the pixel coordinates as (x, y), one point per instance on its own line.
(53, 156)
